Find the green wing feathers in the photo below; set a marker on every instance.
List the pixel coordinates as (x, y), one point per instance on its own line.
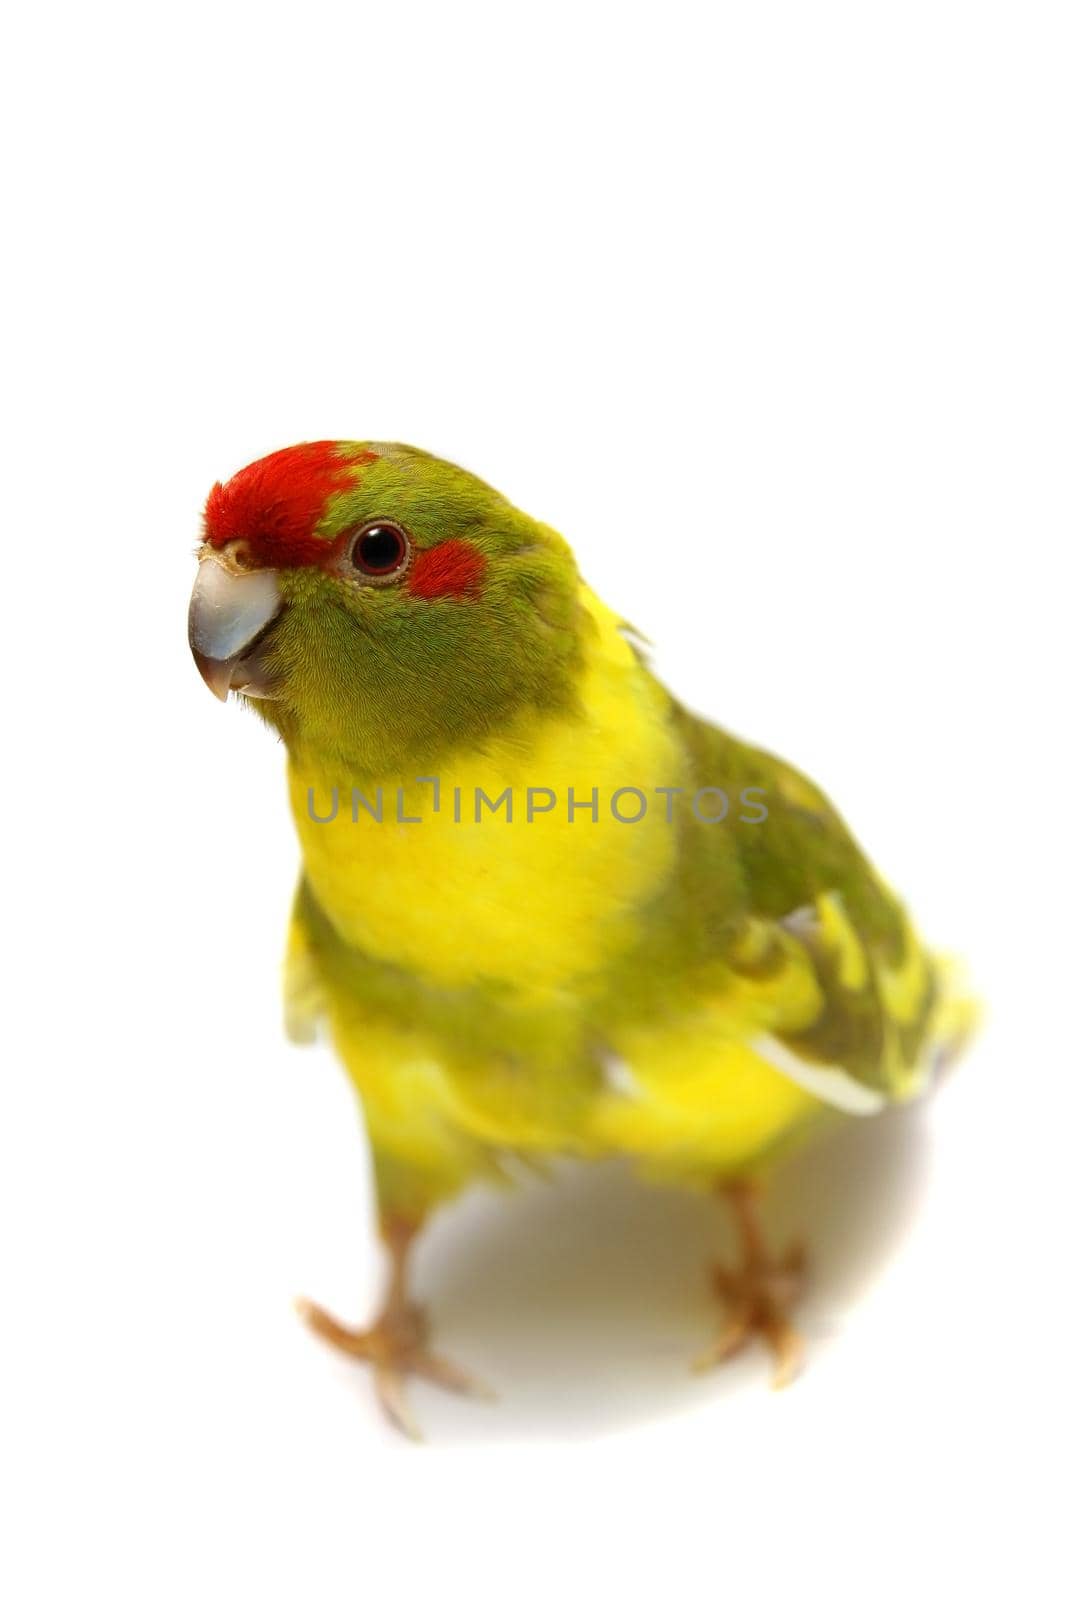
(819, 921)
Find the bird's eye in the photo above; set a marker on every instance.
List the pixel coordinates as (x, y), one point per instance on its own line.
(380, 550)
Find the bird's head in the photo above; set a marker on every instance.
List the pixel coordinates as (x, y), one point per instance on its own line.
(381, 607)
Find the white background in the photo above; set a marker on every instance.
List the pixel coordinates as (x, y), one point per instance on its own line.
(763, 306)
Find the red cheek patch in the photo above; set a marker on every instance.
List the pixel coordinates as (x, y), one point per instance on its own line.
(454, 568)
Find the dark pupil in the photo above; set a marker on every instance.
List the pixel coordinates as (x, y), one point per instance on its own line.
(379, 549)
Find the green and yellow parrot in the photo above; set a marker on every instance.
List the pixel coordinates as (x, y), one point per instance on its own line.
(544, 909)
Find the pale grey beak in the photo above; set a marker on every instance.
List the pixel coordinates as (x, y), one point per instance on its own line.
(228, 614)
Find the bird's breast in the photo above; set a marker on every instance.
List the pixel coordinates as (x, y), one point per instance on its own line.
(527, 863)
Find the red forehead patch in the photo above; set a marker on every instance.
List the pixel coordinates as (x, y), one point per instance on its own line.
(276, 503)
(454, 567)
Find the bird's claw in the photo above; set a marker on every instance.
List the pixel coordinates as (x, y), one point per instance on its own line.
(758, 1297)
(396, 1348)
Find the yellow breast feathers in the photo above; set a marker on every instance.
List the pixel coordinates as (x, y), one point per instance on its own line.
(499, 866)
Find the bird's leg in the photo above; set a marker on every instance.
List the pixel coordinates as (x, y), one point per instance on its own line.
(759, 1293)
(396, 1342)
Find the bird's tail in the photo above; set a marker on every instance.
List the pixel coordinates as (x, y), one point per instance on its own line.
(955, 1019)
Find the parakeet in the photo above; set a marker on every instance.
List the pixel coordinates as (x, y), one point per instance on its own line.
(544, 909)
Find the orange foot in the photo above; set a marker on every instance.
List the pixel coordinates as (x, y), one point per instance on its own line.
(395, 1344)
(758, 1295)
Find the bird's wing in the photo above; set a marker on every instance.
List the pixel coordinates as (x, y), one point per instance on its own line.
(303, 996)
(847, 1000)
